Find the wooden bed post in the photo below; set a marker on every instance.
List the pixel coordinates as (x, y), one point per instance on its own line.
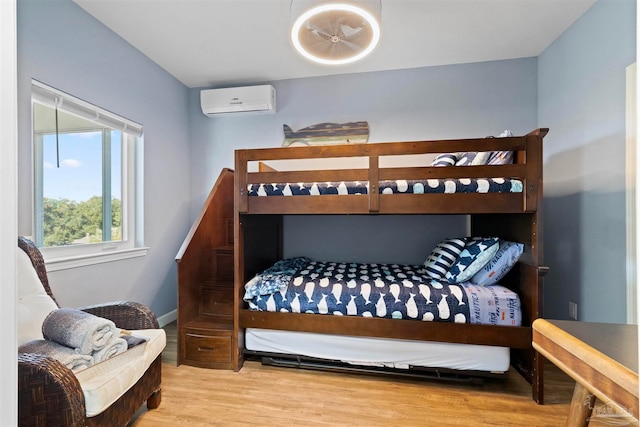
(374, 194)
(241, 198)
(237, 359)
(533, 159)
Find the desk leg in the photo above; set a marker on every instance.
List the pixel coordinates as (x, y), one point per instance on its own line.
(581, 407)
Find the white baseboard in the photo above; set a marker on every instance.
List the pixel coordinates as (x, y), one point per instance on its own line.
(165, 319)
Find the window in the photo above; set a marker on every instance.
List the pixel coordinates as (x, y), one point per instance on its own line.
(86, 181)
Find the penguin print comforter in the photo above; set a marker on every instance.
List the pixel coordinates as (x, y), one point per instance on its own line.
(302, 285)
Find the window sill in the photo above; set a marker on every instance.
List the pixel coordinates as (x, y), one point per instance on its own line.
(64, 263)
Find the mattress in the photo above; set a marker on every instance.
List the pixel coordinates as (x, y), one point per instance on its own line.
(447, 186)
(392, 353)
(301, 285)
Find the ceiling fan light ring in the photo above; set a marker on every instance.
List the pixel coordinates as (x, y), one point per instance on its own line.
(333, 38)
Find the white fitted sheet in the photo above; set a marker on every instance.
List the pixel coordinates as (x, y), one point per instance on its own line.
(380, 351)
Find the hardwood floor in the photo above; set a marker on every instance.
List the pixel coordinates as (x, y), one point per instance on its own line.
(266, 396)
(170, 353)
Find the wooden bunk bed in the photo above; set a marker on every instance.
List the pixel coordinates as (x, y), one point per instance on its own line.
(514, 216)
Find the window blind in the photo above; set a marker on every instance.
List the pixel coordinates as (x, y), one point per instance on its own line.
(55, 98)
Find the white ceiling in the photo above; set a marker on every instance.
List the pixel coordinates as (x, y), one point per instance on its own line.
(206, 43)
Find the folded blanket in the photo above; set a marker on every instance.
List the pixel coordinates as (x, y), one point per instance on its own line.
(114, 347)
(274, 278)
(82, 331)
(65, 355)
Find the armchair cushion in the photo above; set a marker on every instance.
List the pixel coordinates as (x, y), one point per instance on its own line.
(34, 304)
(103, 383)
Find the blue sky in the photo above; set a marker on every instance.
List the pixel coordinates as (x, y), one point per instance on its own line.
(79, 176)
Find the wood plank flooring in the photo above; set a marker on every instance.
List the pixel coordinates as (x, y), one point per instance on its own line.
(269, 396)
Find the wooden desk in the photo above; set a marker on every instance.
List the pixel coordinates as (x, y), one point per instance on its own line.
(603, 360)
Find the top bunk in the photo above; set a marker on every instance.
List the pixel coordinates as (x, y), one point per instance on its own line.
(390, 178)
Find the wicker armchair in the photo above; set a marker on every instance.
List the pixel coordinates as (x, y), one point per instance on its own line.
(50, 394)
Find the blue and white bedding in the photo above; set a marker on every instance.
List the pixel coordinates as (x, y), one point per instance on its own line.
(301, 285)
(447, 186)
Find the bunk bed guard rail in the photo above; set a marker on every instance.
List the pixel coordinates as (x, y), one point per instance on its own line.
(527, 168)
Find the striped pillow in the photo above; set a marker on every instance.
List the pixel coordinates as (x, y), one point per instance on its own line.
(444, 159)
(502, 157)
(443, 256)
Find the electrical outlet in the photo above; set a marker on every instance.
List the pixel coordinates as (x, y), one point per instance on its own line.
(573, 310)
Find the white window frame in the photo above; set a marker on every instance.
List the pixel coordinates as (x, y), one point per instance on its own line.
(131, 245)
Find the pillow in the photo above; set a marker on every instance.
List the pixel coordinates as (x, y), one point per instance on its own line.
(465, 159)
(481, 158)
(444, 159)
(501, 157)
(473, 158)
(34, 304)
(506, 257)
(443, 256)
(477, 252)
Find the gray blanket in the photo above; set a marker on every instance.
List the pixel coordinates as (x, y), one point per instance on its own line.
(65, 355)
(77, 329)
(133, 340)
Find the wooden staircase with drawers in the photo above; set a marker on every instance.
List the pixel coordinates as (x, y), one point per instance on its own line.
(205, 282)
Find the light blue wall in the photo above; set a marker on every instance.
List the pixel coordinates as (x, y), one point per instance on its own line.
(403, 105)
(581, 98)
(422, 103)
(63, 46)
(576, 88)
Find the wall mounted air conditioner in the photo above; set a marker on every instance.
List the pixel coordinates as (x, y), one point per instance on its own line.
(235, 100)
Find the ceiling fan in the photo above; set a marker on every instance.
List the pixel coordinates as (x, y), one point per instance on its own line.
(336, 33)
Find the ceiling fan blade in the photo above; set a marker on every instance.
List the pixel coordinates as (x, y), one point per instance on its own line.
(320, 34)
(348, 31)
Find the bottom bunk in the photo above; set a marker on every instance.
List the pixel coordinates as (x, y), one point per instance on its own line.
(308, 317)
(319, 299)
